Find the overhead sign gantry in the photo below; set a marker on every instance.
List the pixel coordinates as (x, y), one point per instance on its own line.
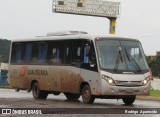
(98, 8)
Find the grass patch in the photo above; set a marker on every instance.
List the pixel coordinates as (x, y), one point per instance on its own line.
(154, 93)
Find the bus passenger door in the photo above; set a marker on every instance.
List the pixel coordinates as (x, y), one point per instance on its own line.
(89, 70)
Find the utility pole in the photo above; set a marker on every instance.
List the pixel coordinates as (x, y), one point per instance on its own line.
(97, 8)
(112, 29)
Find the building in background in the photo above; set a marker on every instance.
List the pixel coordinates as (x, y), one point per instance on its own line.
(3, 74)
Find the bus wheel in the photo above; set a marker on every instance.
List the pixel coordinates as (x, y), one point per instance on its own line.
(43, 94)
(71, 96)
(87, 97)
(37, 93)
(129, 100)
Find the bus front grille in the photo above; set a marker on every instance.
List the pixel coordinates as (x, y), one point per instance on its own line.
(128, 83)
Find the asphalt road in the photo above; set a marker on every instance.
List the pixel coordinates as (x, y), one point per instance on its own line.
(59, 106)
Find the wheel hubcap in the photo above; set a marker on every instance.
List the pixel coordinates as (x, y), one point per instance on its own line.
(86, 93)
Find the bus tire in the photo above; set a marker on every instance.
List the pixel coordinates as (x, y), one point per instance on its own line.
(129, 100)
(71, 96)
(37, 93)
(87, 97)
(43, 94)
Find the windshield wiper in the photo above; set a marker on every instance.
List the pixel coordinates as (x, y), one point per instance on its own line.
(131, 59)
(118, 60)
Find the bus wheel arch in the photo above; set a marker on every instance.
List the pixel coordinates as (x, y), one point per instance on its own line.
(82, 85)
(56, 93)
(32, 83)
(87, 96)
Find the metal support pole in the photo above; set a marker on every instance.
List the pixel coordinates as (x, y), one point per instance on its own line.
(112, 25)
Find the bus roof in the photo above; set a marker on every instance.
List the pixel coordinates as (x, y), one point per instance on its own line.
(83, 35)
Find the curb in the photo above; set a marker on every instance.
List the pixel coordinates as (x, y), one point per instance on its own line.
(153, 98)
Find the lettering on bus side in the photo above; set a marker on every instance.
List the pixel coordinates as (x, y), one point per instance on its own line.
(37, 72)
(25, 70)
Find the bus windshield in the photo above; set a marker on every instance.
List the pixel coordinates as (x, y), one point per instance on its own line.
(121, 55)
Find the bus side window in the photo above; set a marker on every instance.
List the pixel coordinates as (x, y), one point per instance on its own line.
(55, 56)
(67, 52)
(28, 52)
(43, 47)
(77, 51)
(19, 53)
(89, 56)
(56, 52)
(86, 51)
(35, 53)
(89, 53)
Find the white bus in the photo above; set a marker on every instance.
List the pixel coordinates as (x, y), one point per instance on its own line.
(76, 63)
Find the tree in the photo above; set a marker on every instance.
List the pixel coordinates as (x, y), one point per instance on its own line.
(154, 65)
(158, 65)
(4, 50)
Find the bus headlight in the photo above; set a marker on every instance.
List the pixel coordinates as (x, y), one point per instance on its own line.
(145, 81)
(109, 80)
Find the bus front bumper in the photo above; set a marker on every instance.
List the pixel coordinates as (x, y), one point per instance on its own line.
(121, 90)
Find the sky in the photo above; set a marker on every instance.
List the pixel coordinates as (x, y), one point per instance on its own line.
(29, 18)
